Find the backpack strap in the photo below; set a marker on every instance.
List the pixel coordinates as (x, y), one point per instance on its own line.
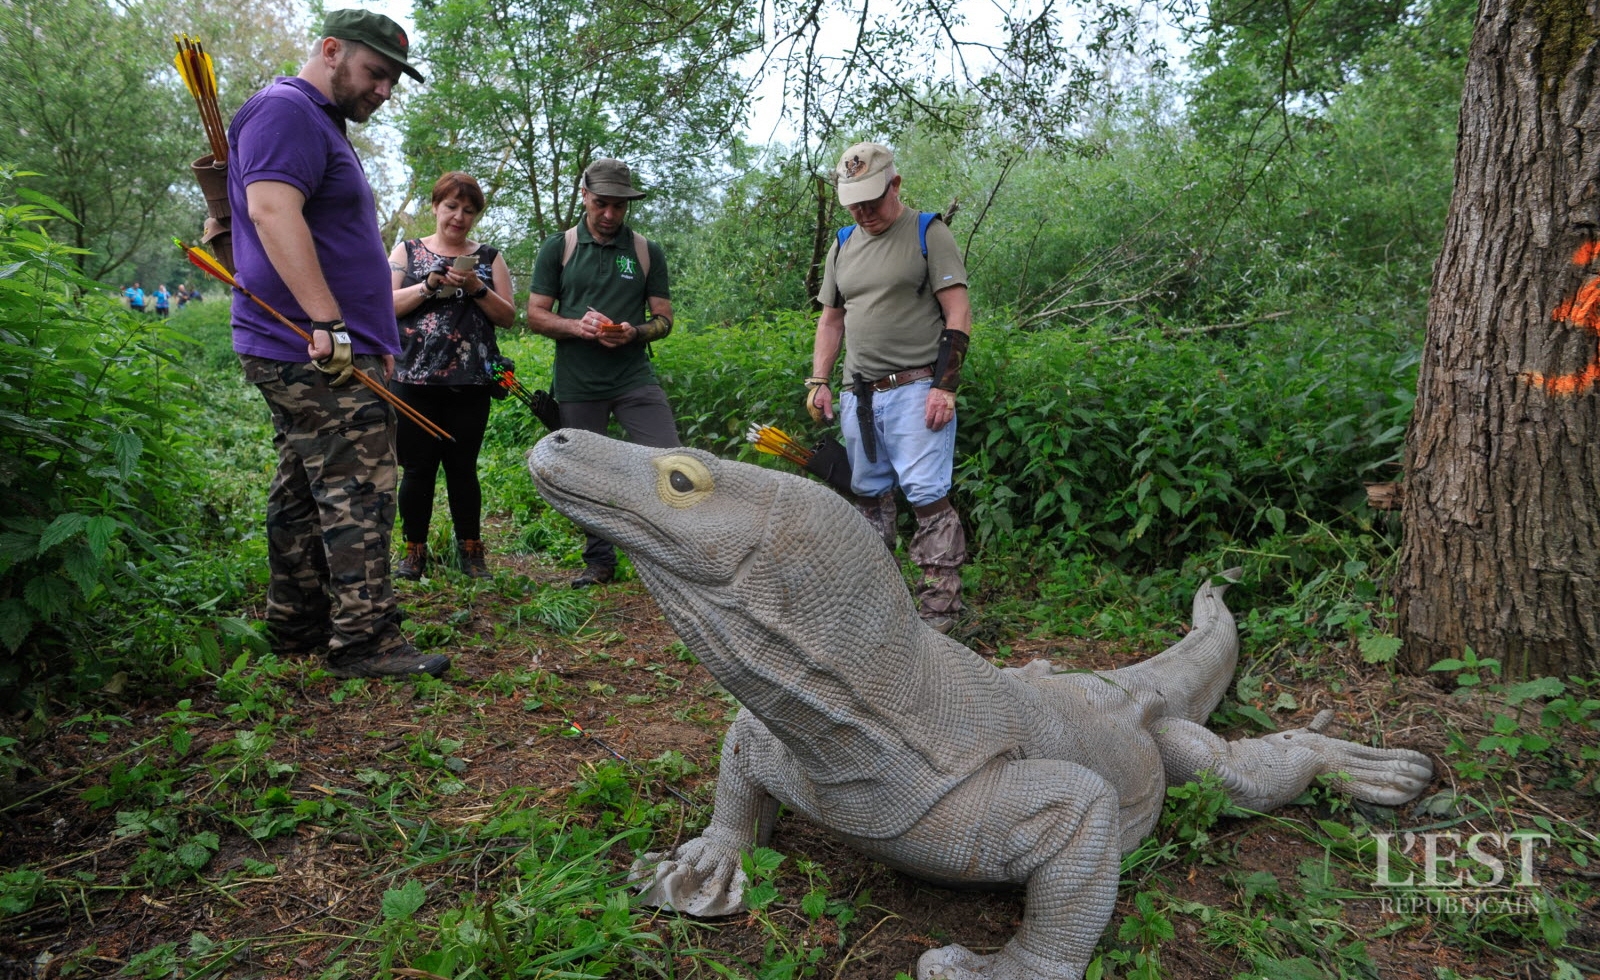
(641, 249)
(924, 219)
(569, 244)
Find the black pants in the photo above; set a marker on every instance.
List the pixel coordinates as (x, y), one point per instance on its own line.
(464, 413)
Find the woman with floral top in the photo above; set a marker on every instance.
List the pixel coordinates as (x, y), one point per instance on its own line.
(448, 314)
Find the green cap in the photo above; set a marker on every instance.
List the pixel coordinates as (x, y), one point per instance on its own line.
(375, 31)
(611, 178)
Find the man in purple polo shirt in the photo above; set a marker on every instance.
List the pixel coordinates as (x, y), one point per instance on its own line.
(311, 250)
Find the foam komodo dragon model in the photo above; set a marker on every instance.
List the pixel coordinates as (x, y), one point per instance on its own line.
(902, 741)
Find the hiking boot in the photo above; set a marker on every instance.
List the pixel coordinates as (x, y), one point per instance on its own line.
(403, 660)
(594, 575)
(473, 564)
(298, 647)
(414, 562)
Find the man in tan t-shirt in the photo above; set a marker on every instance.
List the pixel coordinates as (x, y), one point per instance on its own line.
(894, 291)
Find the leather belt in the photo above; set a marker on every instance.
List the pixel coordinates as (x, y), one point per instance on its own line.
(905, 377)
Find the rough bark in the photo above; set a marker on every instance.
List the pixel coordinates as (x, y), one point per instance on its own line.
(1502, 512)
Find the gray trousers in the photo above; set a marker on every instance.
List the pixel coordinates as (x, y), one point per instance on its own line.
(646, 416)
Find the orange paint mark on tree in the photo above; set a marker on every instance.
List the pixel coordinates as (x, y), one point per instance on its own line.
(1582, 310)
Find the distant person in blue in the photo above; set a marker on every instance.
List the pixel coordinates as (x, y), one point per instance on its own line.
(135, 295)
(163, 300)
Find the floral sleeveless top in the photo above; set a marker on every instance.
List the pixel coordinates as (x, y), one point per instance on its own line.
(447, 340)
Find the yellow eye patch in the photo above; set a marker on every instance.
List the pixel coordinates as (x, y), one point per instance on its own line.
(682, 481)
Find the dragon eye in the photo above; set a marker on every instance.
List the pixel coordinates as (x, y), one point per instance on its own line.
(682, 480)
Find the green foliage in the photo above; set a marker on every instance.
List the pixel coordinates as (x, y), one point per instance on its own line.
(656, 92)
(1544, 720)
(561, 913)
(557, 607)
(94, 411)
(110, 140)
(1140, 451)
(170, 855)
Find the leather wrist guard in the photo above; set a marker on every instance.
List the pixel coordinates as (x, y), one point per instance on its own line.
(337, 364)
(655, 328)
(952, 352)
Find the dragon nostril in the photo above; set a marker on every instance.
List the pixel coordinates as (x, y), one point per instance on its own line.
(559, 439)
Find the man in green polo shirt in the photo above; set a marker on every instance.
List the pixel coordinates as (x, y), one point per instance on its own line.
(600, 292)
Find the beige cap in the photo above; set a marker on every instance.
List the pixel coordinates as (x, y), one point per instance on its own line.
(864, 173)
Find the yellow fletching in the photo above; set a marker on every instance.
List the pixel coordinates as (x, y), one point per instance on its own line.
(183, 72)
(206, 262)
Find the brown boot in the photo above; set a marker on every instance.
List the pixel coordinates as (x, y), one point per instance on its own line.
(473, 561)
(938, 548)
(880, 513)
(414, 563)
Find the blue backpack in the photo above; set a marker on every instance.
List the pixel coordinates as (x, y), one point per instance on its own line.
(924, 219)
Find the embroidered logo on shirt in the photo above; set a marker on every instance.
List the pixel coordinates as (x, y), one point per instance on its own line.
(626, 266)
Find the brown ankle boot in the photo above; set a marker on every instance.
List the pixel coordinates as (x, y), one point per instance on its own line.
(473, 561)
(414, 563)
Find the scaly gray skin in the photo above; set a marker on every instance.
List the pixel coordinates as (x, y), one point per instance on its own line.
(902, 741)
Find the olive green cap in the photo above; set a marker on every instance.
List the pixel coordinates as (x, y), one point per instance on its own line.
(375, 31)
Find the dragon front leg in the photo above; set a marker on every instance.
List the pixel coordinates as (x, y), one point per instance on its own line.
(1051, 825)
(705, 877)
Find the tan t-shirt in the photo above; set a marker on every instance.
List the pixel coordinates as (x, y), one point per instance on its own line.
(892, 320)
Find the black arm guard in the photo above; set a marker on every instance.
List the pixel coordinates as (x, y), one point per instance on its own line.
(952, 352)
(655, 328)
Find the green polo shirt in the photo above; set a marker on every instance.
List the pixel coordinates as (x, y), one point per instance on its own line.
(608, 278)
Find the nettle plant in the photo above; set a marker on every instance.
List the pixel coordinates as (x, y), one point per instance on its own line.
(1526, 721)
(92, 484)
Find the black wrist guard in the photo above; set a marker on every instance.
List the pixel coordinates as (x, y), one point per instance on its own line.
(655, 328)
(952, 352)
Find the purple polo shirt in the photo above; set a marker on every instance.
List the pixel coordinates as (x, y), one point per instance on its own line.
(290, 132)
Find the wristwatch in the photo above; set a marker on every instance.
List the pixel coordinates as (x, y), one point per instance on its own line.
(481, 293)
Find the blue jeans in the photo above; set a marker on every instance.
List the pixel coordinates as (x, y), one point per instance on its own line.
(910, 455)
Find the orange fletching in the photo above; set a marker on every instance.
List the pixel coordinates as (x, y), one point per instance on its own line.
(206, 262)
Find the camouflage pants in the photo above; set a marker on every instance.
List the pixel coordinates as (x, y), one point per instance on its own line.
(880, 512)
(330, 510)
(938, 548)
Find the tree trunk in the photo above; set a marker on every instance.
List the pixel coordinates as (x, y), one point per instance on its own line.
(1502, 504)
(821, 238)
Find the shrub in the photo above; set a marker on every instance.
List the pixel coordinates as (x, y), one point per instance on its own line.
(93, 402)
(1138, 448)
